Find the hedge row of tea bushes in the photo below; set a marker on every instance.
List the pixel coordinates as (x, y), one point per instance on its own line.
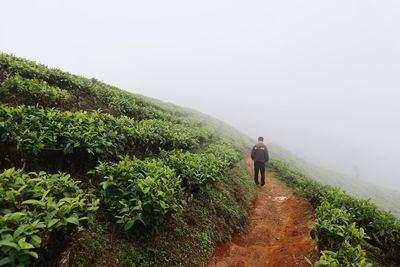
(28, 132)
(176, 160)
(34, 91)
(26, 82)
(147, 190)
(76, 151)
(345, 225)
(132, 191)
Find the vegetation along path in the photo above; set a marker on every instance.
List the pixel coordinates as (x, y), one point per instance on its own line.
(277, 233)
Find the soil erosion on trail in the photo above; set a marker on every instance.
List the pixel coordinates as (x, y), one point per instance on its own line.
(277, 234)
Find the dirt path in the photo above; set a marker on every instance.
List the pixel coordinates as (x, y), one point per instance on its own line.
(277, 234)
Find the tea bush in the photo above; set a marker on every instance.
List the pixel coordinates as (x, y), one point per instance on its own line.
(195, 169)
(381, 226)
(37, 90)
(30, 130)
(33, 205)
(139, 191)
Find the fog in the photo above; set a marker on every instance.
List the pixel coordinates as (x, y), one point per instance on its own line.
(320, 78)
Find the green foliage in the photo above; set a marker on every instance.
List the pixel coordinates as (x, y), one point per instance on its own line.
(336, 234)
(198, 169)
(384, 198)
(90, 94)
(381, 226)
(156, 134)
(217, 211)
(205, 243)
(34, 129)
(34, 205)
(38, 90)
(195, 169)
(66, 119)
(347, 255)
(225, 151)
(28, 131)
(30, 70)
(139, 191)
(335, 226)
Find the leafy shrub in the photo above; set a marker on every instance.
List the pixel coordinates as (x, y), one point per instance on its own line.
(30, 70)
(33, 129)
(139, 191)
(195, 169)
(225, 151)
(114, 100)
(33, 206)
(39, 90)
(156, 134)
(381, 226)
(334, 226)
(347, 255)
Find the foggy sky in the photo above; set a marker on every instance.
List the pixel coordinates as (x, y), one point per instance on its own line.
(320, 78)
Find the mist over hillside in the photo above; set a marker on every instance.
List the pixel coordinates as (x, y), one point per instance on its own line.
(319, 78)
(383, 197)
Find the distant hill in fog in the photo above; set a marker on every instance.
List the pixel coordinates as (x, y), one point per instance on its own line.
(384, 198)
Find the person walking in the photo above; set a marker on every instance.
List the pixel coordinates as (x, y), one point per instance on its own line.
(259, 154)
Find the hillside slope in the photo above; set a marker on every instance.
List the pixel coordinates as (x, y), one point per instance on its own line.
(385, 198)
(93, 175)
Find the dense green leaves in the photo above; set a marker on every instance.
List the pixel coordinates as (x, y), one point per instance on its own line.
(195, 169)
(347, 255)
(139, 191)
(34, 129)
(33, 91)
(336, 234)
(52, 120)
(90, 94)
(32, 206)
(156, 134)
(225, 151)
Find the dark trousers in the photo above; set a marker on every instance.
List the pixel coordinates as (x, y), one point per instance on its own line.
(259, 167)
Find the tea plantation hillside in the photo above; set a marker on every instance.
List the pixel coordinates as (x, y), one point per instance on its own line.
(384, 198)
(91, 175)
(350, 229)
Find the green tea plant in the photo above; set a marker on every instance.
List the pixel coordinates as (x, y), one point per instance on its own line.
(334, 226)
(37, 90)
(155, 134)
(28, 69)
(33, 205)
(114, 100)
(347, 255)
(225, 151)
(139, 191)
(34, 129)
(195, 169)
(29, 130)
(381, 226)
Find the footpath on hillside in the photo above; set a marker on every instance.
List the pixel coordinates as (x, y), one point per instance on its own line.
(277, 234)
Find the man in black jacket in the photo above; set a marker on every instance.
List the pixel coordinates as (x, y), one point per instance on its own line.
(259, 154)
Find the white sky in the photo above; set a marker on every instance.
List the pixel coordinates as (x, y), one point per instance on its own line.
(321, 78)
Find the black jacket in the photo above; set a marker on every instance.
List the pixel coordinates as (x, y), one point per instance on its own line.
(260, 153)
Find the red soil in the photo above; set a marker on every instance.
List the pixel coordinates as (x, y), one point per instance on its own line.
(277, 233)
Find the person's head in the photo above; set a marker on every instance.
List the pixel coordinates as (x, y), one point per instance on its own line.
(260, 139)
